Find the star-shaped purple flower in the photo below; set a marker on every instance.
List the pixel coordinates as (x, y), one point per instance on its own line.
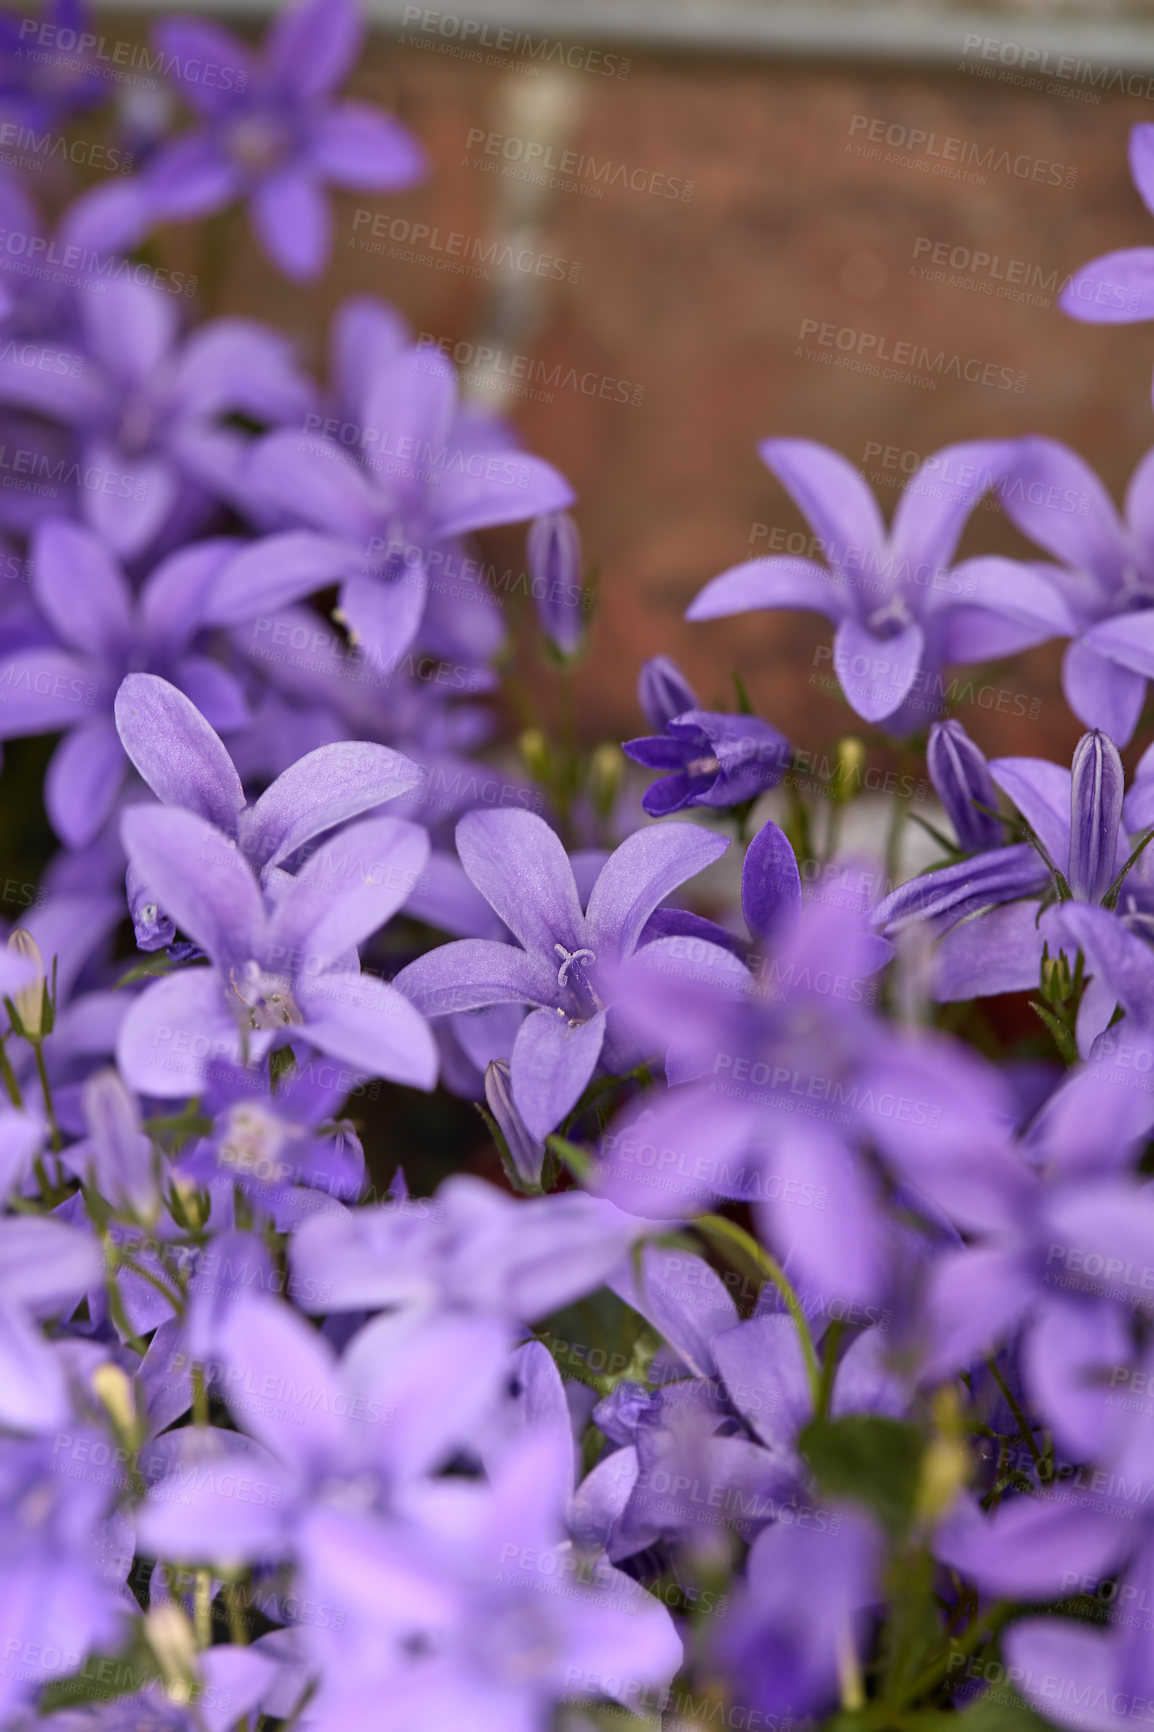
(902, 606)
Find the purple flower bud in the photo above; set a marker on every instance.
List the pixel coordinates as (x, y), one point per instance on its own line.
(960, 775)
(1096, 790)
(525, 1152)
(664, 692)
(154, 930)
(554, 553)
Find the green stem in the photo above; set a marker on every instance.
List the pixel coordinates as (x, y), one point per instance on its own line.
(729, 1235)
(1012, 1403)
(9, 1078)
(41, 1071)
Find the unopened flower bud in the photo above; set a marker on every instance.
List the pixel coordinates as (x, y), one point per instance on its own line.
(29, 1001)
(526, 1154)
(606, 768)
(535, 752)
(172, 1639)
(851, 757)
(554, 554)
(961, 776)
(113, 1389)
(664, 692)
(1097, 784)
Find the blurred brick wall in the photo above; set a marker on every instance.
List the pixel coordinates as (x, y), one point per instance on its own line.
(702, 301)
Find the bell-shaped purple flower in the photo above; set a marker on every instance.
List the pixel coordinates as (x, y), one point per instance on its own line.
(664, 692)
(1097, 786)
(710, 759)
(962, 782)
(553, 549)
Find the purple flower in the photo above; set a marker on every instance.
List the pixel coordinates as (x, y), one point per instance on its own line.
(554, 553)
(1106, 574)
(279, 974)
(903, 609)
(381, 526)
(1118, 288)
(41, 84)
(962, 782)
(988, 906)
(102, 630)
(185, 764)
(562, 952)
(278, 1146)
(664, 692)
(149, 411)
(712, 759)
(272, 133)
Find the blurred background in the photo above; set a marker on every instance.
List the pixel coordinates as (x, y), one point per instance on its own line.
(657, 233)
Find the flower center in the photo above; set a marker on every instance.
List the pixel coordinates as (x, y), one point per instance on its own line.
(267, 998)
(258, 143)
(572, 959)
(1135, 595)
(252, 1144)
(887, 621)
(572, 976)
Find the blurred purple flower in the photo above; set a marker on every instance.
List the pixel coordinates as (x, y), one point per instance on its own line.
(711, 759)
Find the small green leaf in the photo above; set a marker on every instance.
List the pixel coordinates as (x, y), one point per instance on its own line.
(868, 1459)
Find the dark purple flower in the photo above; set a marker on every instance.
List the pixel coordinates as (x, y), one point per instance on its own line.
(902, 607)
(664, 692)
(712, 759)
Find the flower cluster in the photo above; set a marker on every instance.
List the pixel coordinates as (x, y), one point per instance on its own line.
(795, 1359)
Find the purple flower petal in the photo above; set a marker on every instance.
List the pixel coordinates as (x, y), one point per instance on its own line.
(475, 972)
(1101, 691)
(770, 883)
(934, 506)
(833, 498)
(371, 1026)
(1127, 639)
(319, 791)
(86, 774)
(209, 65)
(1058, 501)
(46, 1265)
(178, 754)
(130, 521)
(639, 875)
(552, 1064)
(1041, 792)
(346, 891)
(876, 674)
(358, 146)
(198, 877)
(172, 600)
(999, 951)
(538, 902)
(81, 590)
(293, 221)
(506, 489)
(1027, 1548)
(312, 46)
(771, 583)
(42, 691)
(174, 1032)
(271, 573)
(671, 1153)
(1116, 289)
(1112, 951)
(263, 1339)
(383, 617)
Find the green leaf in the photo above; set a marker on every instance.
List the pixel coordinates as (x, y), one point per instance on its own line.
(152, 965)
(868, 1459)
